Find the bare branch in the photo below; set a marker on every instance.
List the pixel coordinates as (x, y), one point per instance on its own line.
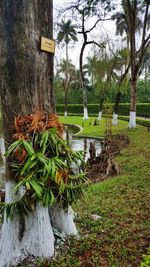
(124, 74)
(145, 21)
(95, 43)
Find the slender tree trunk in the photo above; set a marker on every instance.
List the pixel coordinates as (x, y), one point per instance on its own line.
(26, 81)
(66, 103)
(67, 79)
(132, 120)
(116, 108)
(145, 74)
(85, 110)
(100, 108)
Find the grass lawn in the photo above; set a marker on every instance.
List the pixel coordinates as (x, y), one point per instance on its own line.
(90, 130)
(119, 238)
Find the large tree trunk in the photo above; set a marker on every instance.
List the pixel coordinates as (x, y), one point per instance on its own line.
(26, 81)
(132, 119)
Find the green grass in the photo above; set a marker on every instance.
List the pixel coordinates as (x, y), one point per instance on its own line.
(97, 131)
(120, 237)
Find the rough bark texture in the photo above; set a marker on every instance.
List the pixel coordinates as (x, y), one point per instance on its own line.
(133, 95)
(26, 81)
(117, 101)
(26, 72)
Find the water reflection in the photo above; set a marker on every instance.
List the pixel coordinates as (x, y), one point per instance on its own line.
(81, 143)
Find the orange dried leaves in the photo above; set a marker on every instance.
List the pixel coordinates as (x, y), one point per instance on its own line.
(25, 126)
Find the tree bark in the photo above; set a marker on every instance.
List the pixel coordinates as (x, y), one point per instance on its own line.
(66, 103)
(26, 82)
(132, 119)
(101, 101)
(133, 95)
(85, 111)
(117, 102)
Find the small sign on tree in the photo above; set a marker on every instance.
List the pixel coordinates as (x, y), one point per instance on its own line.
(47, 45)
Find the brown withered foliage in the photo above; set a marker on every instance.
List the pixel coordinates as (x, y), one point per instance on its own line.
(62, 175)
(25, 126)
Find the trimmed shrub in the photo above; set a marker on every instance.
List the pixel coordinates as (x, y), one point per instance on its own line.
(143, 109)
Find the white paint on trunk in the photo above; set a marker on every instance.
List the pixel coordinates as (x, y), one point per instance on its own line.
(132, 119)
(115, 119)
(38, 239)
(63, 220)
(10, 252)
(85, 116)
(65, 114)
(99, 116)
(2, 149)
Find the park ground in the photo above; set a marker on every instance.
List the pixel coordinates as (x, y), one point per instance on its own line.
(120, 235)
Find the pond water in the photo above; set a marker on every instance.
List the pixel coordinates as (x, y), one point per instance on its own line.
(76, 144)
(81, 143)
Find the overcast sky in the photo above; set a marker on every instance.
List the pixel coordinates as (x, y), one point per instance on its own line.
(101, 30)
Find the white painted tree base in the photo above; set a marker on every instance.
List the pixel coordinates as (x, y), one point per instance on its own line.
(85, 115)
(36, 237)
(10, 252)
(63, 220)
(99, 116)
(115, 119)
(132, 120)
(37, 240)
(65, 114)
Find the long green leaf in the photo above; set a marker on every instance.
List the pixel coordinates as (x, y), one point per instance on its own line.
(37, 188)
(26, 166)
(28, 146)
(13, 146)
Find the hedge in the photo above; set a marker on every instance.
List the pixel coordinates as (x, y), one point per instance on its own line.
(143, 109)
(139, 121)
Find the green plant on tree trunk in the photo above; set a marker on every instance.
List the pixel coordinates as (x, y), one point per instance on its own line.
(45, 175)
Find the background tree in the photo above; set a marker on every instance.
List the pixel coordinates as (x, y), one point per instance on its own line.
(132, 10)
(67, 33)
(67, 75)
(82, 12)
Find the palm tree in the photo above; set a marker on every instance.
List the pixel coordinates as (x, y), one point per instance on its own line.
(66, 34)
(132, 12)
(122, 23)
(67, 75)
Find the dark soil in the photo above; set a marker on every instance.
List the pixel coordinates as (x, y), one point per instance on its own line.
(104, 166)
